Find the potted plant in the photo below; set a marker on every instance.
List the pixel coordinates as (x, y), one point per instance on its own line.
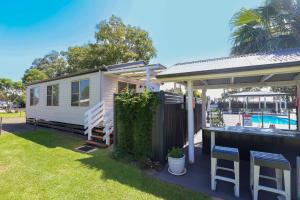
(176, 161)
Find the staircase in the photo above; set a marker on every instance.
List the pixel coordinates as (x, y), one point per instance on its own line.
(99, 126)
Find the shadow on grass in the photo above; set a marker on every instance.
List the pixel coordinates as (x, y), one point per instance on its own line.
(102, 161)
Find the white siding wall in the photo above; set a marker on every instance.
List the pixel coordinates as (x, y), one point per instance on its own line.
(64, 112)
(110, 87)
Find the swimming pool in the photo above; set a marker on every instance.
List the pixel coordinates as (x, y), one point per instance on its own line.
(270, 119)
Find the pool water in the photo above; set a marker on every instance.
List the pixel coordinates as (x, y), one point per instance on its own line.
(270, 119)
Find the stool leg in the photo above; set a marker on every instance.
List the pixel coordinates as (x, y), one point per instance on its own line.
(278, 173)
(251, 175)
(256, 172)
(287, 184)
(213, 173)
(237, 179)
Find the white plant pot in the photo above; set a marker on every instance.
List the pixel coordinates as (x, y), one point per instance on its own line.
(177, 165)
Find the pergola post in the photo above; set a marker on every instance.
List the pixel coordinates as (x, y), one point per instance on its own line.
(203, 111)
(148, 78)
(229, 105)
(246, 104)
(285, 103)
(298, 107)
(276, 105)
(280, 107)
(265, 103)
(259, 107)
(190, 121)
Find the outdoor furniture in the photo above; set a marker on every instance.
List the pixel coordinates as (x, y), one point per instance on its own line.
(270, 160)
(229, 154)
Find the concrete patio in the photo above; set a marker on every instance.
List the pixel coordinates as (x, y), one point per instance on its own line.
(198, 178)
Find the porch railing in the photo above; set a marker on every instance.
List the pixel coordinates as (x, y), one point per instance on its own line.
(108, 124)
(92, 118)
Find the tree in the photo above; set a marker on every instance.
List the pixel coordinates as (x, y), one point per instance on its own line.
(123, 43)
(276, 25)
(11, 91)
(33, 75)
(52, 64)
(84, 57)
(115, 43)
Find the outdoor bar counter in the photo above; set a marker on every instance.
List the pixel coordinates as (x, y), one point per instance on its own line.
(246, 139)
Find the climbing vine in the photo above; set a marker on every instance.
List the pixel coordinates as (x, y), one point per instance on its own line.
(134, 122)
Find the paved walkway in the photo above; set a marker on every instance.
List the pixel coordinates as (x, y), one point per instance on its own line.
(198, 179)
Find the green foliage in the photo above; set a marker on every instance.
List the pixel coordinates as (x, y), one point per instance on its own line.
(115, 43)
(217, 118)
(134, 122)
(11, 91)
(270, 27)
(175, 152)
(33, 75)
(123, 43)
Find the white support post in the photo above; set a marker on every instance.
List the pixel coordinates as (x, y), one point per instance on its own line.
(259, 107)
(276, 105)
(148, 77)
(285, 103)
(203, 112)
(298, 108)
(229, 106)
(246, 104)
(190, 121)
(280, 107)
(265, 104)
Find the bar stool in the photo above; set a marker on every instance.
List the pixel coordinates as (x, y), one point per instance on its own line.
(224, 153)
(270, 160)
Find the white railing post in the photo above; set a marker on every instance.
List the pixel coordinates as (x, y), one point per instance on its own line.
(94, 116)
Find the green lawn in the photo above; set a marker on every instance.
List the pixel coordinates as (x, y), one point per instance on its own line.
(44, 165)
(10, 115)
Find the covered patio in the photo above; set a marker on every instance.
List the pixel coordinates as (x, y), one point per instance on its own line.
(280, 68)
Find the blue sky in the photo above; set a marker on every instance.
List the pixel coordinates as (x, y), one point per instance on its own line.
(181, 30)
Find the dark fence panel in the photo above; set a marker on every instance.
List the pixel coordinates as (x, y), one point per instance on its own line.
(170, 124)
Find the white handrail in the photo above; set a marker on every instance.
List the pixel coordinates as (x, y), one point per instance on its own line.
(108, 123)
(93, 118)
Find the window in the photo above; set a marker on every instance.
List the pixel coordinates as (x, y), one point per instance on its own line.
(52, 95)
(80, 93)
(34, 96)
(124, 86)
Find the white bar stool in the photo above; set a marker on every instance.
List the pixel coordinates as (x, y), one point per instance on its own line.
(224, 153)
(270, 160)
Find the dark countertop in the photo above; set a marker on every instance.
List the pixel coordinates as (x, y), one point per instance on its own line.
(256, 131)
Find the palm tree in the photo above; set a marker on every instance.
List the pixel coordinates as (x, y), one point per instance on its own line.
(276, 25)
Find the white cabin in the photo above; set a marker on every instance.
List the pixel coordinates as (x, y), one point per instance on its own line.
(66, 99)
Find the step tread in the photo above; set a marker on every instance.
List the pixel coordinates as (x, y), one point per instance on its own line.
(97, 144)
(97, 137)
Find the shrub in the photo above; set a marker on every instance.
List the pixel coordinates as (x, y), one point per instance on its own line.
(134, 122)
(176, 152)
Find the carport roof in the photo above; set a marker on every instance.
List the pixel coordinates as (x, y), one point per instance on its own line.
(257, 94)
(289, 57)
(277, 68)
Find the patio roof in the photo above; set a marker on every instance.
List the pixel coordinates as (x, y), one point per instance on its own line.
(261, 69)
(257, 94)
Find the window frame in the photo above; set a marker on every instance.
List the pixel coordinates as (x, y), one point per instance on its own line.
(33, 100)
(52, 99)
(79, 93)
(127, 85)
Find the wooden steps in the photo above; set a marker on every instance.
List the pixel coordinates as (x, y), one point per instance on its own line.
(96, 144)
(97, 138)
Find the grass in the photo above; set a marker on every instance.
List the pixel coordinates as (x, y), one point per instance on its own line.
(44, 165)
(11, 115)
